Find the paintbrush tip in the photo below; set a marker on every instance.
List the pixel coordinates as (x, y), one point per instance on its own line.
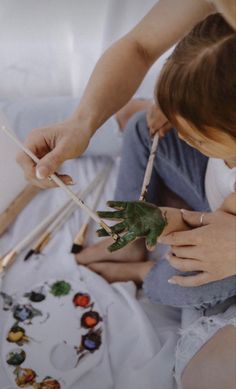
(29, 254)
(76, 248)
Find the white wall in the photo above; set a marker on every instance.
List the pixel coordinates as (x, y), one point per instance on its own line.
(49, 47)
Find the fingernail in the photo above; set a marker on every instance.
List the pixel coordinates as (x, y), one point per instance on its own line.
(41, 173)
(171, 281)
(183, 210)
(168, 257)
(71, 182)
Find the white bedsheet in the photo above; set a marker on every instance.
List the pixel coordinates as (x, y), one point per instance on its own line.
(140, 337)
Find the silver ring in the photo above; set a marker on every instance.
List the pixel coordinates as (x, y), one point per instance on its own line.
(201, 219)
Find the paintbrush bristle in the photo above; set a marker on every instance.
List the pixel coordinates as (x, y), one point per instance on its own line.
(29, 254)
(76, 248)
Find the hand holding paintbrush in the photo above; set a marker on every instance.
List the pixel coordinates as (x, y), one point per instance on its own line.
(61, 184)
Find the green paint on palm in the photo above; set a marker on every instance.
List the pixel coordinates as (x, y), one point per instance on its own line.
(137, 219)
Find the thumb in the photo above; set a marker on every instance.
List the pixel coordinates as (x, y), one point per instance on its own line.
(49, 163)
(195, 219)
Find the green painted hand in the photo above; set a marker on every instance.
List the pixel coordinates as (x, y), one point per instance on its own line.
(138, 219)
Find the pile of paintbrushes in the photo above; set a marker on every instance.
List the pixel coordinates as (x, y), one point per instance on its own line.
(52, 223)
(43, 233)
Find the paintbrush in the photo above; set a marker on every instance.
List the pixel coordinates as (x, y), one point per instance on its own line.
(63, 216)
(61, 184)
(149, 168)
(10, 257)
(79, 240)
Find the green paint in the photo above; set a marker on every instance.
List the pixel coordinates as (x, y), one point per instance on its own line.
(137, 219)
(60, 288)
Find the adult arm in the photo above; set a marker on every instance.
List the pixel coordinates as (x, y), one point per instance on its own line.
(114, 80)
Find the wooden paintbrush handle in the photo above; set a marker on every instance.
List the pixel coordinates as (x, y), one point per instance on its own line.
(9, 215)
(80, 237)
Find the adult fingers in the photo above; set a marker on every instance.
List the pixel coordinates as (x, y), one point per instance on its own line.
(47, 184)
(190, 281)
(181, 238)
(196, 219)
(189, 252)
(183, 264)
(36, 143)
(50, 162)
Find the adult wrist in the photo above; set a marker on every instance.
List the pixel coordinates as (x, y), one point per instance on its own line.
(87, 120)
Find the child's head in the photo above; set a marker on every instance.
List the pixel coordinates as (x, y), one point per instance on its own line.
(197, 88)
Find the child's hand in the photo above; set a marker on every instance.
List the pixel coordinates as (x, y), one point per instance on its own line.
(156, 121)
(174, 219)
(138, 219)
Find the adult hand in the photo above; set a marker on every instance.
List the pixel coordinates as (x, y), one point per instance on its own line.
(209, 248)
(138, 219)
(53, 145)
(157, 121)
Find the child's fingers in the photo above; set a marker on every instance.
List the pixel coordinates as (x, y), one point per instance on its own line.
(120, 227)
(119, 205)
(117, 215)
(151, 240)
(122, 242)
(101, 232)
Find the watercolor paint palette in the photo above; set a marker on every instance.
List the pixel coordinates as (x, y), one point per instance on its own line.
(54, 334)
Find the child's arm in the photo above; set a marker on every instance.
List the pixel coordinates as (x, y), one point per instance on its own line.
(174, 221)
(139, 219)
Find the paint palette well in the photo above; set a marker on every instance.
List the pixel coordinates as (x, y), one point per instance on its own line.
(53, 335)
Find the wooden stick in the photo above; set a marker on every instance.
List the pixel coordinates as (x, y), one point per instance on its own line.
(64, 215)
(78, 243)
(61, 184)
(17, 205)
(149, 168)
(10, 257)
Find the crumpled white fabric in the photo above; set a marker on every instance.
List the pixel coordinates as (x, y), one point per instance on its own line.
(140, 337)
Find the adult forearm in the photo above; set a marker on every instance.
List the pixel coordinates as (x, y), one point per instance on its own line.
(123, 66)
(114, 80)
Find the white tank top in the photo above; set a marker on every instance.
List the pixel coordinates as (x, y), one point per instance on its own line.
(219, 182)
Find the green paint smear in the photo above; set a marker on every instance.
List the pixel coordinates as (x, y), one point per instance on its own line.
(60, 288)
